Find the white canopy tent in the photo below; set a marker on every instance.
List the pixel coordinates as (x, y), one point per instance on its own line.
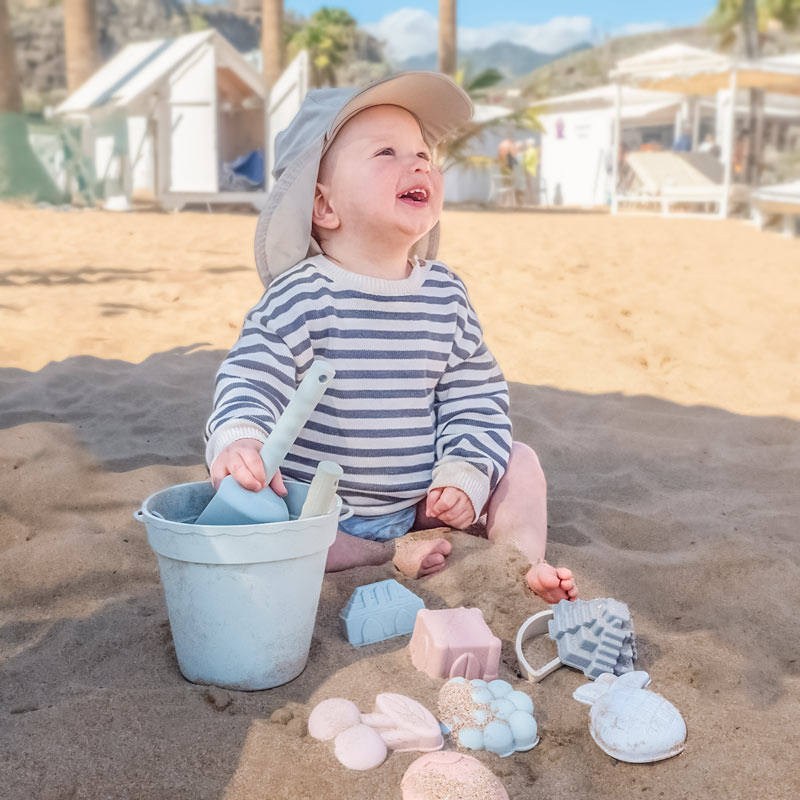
(693, 72)
(163, 117)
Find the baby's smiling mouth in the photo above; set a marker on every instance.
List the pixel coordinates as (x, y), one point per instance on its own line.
(417, 196)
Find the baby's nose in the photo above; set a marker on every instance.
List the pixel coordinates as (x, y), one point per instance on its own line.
(422, 164)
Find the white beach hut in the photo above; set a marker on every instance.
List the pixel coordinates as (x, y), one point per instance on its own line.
(575, 165)
(164, 117)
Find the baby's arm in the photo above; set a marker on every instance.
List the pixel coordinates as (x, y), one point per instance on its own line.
(473, 431)
(253, 387)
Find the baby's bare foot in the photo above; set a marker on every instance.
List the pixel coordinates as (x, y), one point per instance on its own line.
(550, 583)
(417, 558)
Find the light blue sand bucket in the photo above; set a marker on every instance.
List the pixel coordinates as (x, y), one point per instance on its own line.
(241, 599)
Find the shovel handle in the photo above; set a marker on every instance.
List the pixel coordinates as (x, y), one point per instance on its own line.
(295, 416)
(322, 491)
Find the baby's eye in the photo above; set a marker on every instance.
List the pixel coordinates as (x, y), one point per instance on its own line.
(388, 150)
(426, 156)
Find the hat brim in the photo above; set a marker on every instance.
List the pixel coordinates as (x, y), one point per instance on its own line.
(283, 232)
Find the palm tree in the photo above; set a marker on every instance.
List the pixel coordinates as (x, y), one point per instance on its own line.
(10, 95)
(447, 36)
(21, 173)
(80, 41)
(329, 35)
(272, 41)
(752, 18)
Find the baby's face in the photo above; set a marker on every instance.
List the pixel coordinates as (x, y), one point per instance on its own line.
(380, 177)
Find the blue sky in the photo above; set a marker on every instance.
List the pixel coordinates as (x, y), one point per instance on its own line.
(410, 28)
(608, 15)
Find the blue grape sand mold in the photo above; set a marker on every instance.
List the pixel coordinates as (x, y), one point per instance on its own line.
(594, 636)
(379, 611)
(489, 716)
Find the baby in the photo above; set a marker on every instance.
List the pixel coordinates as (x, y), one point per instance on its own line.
(417, 414)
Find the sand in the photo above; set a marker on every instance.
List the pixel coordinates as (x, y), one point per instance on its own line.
(653, 366)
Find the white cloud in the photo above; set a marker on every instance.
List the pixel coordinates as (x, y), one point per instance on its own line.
(632, 28)
(407, 32)
(414, 32)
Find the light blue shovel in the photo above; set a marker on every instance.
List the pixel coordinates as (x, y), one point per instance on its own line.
(233, 505)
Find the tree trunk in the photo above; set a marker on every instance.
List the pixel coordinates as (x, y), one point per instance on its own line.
(752, 48)
(272, 44)
(10, 95)
(21, 173)
(80, 41)
(447, 37)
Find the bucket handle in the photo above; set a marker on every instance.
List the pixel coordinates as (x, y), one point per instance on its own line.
(139, 515)
(346, 512)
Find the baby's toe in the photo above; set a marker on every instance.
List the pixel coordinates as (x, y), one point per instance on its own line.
(548, 580)
(563, 573)
(432, 564)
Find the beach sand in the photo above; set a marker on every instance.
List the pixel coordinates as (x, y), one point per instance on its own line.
(653, 366)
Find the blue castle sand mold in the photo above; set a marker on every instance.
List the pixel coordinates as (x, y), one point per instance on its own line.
(595, 636)
(379, 611)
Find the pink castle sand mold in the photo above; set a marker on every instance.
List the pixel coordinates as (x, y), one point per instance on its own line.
(454, 642)
(404, 724)
(450, 776)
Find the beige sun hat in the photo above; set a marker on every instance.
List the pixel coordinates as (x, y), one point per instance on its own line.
(283, 232)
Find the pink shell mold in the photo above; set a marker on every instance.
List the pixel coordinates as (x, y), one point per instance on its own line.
(332, 716)
(454, 642)
(360, 747)
(450, 776)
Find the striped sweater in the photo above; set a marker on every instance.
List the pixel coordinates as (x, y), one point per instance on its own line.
(417, 401)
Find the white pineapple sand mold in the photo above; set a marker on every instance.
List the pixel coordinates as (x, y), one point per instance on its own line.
(628, 721)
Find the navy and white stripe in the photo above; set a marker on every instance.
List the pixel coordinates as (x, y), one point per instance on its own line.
(417, 400)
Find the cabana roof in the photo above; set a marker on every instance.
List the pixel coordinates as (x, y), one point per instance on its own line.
(139, 67)
(636, 102)
(690, 70)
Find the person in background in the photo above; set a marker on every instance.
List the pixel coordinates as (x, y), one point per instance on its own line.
(709, 145)
(683, 144)
(530, 161)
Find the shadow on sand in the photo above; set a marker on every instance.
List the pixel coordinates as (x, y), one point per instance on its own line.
(659, 503)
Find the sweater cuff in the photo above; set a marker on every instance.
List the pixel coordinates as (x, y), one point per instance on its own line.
(467, 477)
(229, 432)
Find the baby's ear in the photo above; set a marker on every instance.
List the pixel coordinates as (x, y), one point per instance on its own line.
(322, 214)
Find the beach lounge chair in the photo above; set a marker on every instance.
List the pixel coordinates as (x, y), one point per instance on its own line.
(683, 180)
(781, 201)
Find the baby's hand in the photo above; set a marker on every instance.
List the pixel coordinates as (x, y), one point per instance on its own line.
(242, 459)
(451, 506)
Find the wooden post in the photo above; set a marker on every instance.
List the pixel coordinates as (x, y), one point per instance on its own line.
(724, 206)
(616, 146)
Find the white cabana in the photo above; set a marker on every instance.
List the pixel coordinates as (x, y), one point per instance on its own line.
(576, 142)
(163, 117)
(698, 73)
